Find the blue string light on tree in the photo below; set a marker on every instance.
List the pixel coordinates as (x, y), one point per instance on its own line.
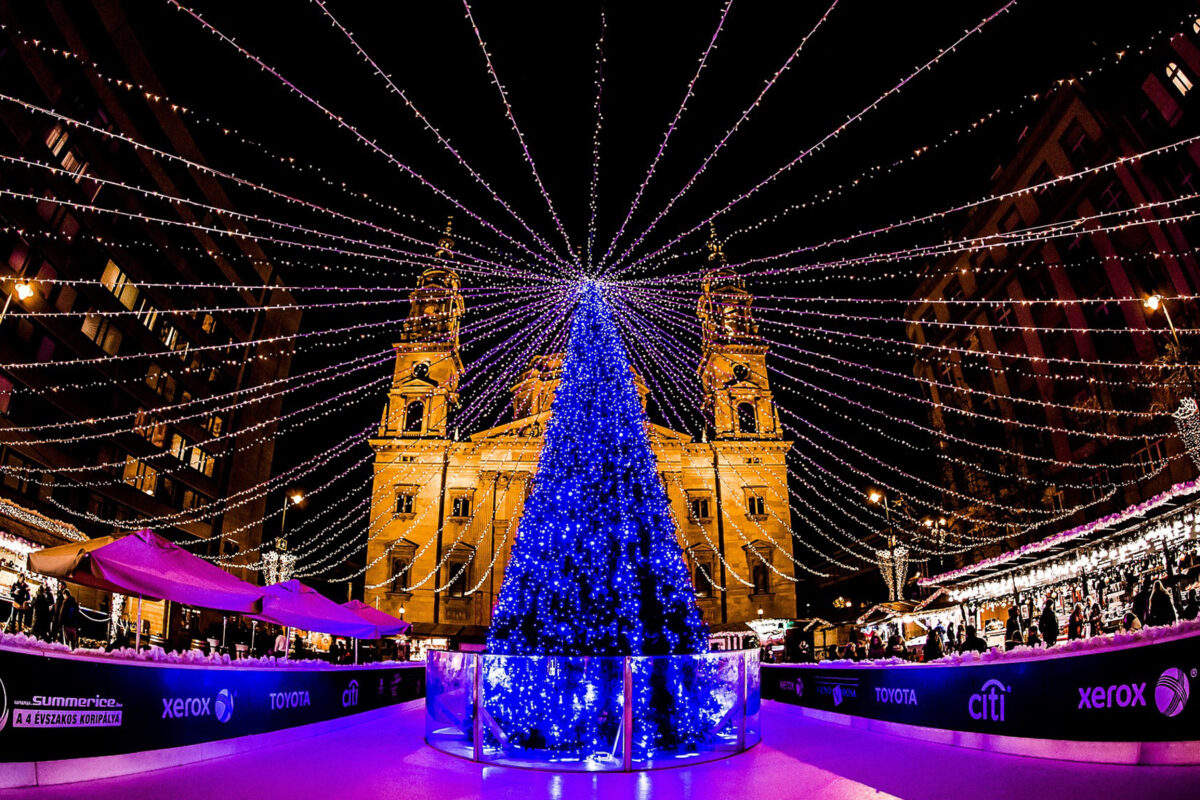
(596, 570)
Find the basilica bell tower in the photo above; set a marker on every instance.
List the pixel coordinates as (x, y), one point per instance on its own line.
(738, 403)
(428, 363)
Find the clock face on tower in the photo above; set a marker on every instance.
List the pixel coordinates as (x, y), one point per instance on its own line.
(740, 372)
(421, 370)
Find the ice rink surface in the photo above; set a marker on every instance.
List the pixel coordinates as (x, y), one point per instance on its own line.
(385, 757)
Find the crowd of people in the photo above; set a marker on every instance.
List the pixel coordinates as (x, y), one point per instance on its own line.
(1150, 605)
(43, 614)
(940, 641)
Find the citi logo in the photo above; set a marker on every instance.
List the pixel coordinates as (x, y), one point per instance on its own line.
(988, 703)
(898, 697)
(282, 700)
(1123, 695)
(350, 696)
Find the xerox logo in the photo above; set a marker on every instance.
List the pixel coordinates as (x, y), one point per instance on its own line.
(350, 696)
(1170, 694)
(796, 686)
(1117, 695)
(282, 700)
(988, 702)
(224, 706)
(184, 707)
(180, 707)
(898, 697)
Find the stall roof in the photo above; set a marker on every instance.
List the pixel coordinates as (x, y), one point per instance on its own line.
(1162, 505)
(434, 629)
(297, 605)
(145, 564)
(386, 623)
(29, 524)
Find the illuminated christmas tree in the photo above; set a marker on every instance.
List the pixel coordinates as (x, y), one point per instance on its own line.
(596, 569)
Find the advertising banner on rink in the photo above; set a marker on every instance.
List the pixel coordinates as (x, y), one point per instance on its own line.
(1141, 693)
(57, 708)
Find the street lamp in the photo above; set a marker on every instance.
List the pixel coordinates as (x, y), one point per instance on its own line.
(1153, 303)
(877, 497)
(290, 499)
(23, 290)
(402, 612)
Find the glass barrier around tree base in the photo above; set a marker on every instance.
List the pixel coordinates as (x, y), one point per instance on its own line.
(579, 713)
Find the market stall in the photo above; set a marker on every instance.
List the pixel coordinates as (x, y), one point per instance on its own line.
(1107, 567)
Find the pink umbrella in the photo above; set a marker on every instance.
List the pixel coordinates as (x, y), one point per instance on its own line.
(145, 564)
(296, 605)
(386, 623)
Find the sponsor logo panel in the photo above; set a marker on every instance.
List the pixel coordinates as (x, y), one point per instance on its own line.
(988, 703)
(220, 706)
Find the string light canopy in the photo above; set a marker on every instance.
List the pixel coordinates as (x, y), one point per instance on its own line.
(950, 437)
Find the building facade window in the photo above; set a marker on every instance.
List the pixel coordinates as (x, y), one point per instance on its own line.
(461, 507)
(404, 503)
(1151, 458)
(102, 331)
(1179, 78)
(402, 565)
(458, 573)
(140, 475)
(702, 579)
(700, 509)
(756, 506)
(761, 576)
(414, 417)
(747, 418)
(117, 282)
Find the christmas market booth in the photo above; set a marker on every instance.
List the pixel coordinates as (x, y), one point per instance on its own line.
(1103, 567)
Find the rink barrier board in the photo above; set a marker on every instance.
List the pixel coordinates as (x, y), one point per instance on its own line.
(1130, 703)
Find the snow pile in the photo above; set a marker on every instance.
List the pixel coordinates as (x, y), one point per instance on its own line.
(159, 656)
(1112, 641)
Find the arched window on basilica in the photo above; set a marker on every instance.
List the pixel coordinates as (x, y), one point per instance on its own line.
(747, 418)
(414, 417)
(761, 575)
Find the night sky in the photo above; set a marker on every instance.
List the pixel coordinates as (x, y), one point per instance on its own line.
(545, 55)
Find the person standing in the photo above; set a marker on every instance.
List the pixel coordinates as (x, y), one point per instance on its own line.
(1013, 635)
(933, 646)
(1191, 608)
(1141, 601)
(281, 644)
(56, 617)
(43, 611)
(1160, 609)
(972, 642)
(67, 619)
(20, 605)
(1096, 620)
(1048, 624)
(1076, 624)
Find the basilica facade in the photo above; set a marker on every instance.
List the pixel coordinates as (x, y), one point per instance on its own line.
(445, 511)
